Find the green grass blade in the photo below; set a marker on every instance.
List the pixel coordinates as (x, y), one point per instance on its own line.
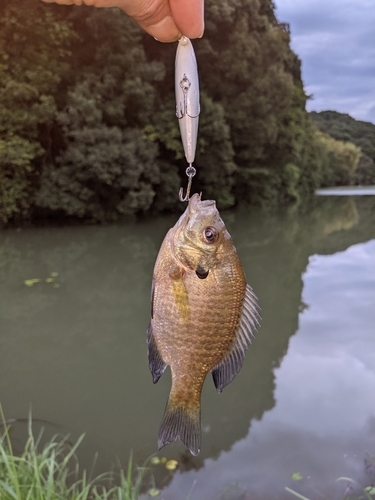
(8, 489)
(51, 472)
(346, 479)
(296, 494)
(72, 451)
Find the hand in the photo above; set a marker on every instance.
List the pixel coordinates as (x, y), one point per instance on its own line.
(165, 20)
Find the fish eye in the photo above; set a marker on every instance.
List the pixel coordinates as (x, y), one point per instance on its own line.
(210, 234)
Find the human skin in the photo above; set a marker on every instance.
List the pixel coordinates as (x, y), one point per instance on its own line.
(165, 20)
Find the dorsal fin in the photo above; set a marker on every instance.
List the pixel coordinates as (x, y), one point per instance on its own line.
(231, 363)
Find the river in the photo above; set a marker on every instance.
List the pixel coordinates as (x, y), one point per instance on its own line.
(301, 412)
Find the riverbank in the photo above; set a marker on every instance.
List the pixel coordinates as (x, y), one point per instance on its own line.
(51, 471)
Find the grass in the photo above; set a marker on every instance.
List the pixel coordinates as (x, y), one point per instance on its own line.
(51, 472)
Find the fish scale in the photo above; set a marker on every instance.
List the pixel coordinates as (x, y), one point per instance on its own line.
(203, 316)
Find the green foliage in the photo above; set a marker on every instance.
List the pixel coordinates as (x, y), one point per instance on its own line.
(297, 476)
(92, 133)
(16, 174)
(342, 161)
(215, 155)
(109, 167)
(52, 472)
(33, 59)
(365, 173)
(343, 127)
(255, 76)
(166, 193)
(291, 176)
(248, 72)
(105, 172)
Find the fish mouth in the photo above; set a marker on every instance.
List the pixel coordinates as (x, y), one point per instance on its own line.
(207, 203)
(195, 202)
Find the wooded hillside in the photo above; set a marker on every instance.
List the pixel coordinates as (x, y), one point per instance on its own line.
(343, 127)
(87, 114)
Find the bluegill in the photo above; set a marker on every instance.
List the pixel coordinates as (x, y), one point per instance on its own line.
(203, 315)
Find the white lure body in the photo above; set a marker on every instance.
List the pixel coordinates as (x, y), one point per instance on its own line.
(187, 96)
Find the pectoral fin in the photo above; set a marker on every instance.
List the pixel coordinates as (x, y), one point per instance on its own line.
(155, 361)
(232, 361)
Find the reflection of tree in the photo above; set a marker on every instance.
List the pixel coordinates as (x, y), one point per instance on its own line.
(78, 352)
(344, 217)
(275, 250)
(362, 211)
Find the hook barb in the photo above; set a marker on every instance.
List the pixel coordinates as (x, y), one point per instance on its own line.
(190, 172)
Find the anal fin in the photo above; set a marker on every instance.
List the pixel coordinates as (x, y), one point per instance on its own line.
(231, 363)
(155, 361)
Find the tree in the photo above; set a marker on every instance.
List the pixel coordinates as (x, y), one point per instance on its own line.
(342, 161)
(105, 171)
(108, 167)
(342, 127)
(255, 76)
(34, 45)
(93, 134)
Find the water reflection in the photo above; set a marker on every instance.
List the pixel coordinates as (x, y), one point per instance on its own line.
(323, 421)
(78, 352)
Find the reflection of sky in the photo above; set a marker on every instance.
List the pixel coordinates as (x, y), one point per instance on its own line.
(324, 419)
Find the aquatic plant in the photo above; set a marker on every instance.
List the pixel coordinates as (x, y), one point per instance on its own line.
(353, 490)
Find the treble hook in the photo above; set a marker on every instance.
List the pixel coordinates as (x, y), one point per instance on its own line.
(190, 172)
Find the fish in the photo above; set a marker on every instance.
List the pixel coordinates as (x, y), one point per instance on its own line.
(203, 317)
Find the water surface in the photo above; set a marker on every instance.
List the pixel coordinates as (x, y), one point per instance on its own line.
(303, 402)
(347, 191)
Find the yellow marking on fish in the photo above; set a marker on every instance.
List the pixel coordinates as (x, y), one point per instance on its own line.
(181, 299)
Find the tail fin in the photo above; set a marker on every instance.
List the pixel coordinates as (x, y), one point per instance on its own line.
(181, 422)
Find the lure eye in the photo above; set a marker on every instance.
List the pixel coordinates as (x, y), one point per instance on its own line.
(210, 234)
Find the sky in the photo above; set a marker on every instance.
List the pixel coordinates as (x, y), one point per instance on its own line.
(335, 39)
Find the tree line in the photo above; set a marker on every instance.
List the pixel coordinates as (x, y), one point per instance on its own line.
(344, 128)
(87, 123)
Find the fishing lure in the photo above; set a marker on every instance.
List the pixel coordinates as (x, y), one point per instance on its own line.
(187, 104)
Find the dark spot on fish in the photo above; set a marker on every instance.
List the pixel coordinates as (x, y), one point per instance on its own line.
(201, 273)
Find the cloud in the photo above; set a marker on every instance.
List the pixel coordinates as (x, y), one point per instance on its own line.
(341, 291)
(336, 43)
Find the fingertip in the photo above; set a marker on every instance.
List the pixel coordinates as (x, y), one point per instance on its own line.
(189, 17)
(193, 32)
(165, 31)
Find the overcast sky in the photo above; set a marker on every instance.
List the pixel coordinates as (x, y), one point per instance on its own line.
(335, 39)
